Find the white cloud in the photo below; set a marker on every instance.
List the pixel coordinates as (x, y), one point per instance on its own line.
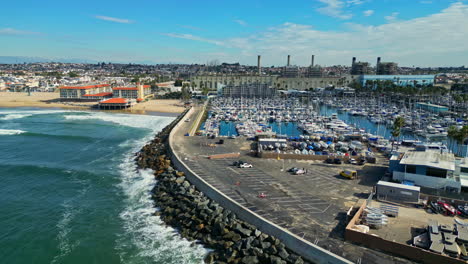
(12, 31)
(392, 17)
(368, 12)
(195, 38)
(355, 2)
(334, 8)
(114, 19)
(403, 41)
(338, 8)
(434, 40)
(241, 22)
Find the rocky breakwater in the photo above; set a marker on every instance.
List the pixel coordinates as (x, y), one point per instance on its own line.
(200, 219)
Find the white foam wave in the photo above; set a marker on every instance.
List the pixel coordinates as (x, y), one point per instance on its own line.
(65, 226)
(154, 123)
(11, 115)
(143, 230)
(9, 132)
(15, 116)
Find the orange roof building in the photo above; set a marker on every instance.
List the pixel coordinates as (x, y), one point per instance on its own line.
(116, 103)
(95, 91)
(138, 92)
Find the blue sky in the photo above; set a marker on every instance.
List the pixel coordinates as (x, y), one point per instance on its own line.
(410, 32)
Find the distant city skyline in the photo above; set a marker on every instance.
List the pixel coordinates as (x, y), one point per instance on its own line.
(419, 33)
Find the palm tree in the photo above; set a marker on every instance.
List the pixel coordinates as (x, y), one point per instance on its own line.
(451, 133)
(398, 123)
(459, 136)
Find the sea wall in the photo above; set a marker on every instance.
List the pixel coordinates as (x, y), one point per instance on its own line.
(302, 247)
(199, 217)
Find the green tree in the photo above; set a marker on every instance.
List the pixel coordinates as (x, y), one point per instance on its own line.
(73, 75)
(185, 92)
(178, 83)
(398, 123)
(205, 90)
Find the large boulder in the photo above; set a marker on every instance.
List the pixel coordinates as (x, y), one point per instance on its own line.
(249, 260)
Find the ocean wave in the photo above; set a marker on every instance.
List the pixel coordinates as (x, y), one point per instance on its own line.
(65, 226)
(14, 116)
(9, 132)
(67, 137)
(11, 115)
(143, 230)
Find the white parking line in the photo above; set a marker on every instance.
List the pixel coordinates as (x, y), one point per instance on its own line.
(234, 171)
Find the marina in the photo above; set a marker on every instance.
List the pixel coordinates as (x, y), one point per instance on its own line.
(336, 127)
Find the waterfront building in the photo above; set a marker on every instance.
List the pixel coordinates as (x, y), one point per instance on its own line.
(402, 80)
(80, 92)
(281, 83)
(253, 90)
(116, 103)
(432, 107)
(140, 92)
(430, 169)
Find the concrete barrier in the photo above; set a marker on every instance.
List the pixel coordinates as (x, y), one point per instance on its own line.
(301, 246)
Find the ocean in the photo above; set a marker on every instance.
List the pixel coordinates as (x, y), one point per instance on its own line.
(70, 191)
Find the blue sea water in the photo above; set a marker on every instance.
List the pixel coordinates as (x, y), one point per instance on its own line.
(70, 191)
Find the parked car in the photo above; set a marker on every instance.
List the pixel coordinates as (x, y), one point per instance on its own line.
(349, 174)
(337, 161)
(299, 172)
(220, 142)
(245, 165)
(293, 169)
(463, 209)
(448, 209)
(352, 161)
(436, 208)
(329, 161)
(237, 163)
(187, 120)
(362, 161)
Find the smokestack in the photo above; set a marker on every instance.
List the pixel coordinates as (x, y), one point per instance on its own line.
(259, 65)
(377, 66)
(354, 60)
(312, 62)
(289, 60)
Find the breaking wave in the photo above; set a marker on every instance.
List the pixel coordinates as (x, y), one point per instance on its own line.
(9, 132)
(151, 237)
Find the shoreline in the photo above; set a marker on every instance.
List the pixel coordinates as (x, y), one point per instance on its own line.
(88, 109)
(159, 107)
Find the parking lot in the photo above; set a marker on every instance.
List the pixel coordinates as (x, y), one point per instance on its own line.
(312, 205)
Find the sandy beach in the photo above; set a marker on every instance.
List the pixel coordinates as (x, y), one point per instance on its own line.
(8, 99)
